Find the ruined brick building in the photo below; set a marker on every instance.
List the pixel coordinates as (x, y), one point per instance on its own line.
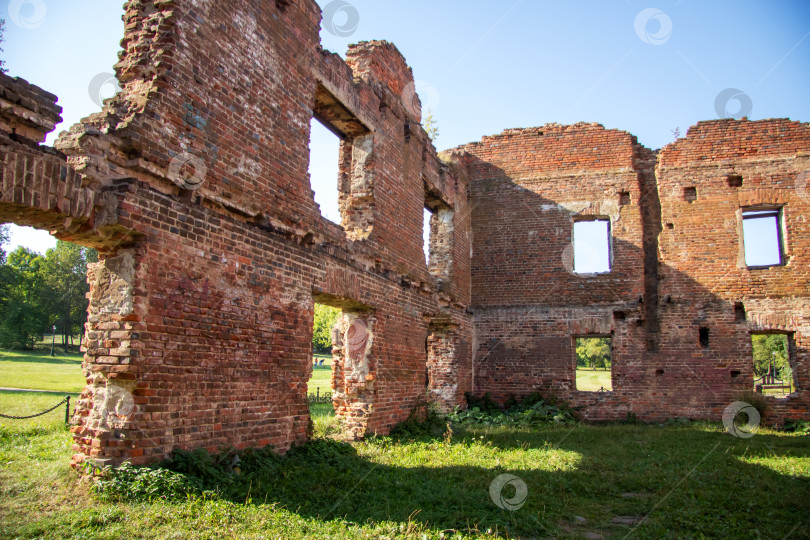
(192, 183)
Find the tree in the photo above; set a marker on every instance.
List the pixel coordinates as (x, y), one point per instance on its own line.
(24, 315)
(593, 352)
(771, 350)
(431, 126)
(5, 236)
(2, 39)
(64, 272)
(325, 319)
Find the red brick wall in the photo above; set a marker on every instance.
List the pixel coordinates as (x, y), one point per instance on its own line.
(703, 271)
(677, 265)
(528, 186)
(202, 306)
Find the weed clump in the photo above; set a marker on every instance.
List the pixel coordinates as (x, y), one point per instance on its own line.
(532, 410)
(424, 421)
(145, 484)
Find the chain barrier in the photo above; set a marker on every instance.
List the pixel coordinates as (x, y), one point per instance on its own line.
(66, 400)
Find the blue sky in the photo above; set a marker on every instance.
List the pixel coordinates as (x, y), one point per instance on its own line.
(647, 67)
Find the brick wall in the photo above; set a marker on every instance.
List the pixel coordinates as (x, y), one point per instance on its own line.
(528, 187)
(678, 263)
(192, 182)
(201, 308)
(703, 268)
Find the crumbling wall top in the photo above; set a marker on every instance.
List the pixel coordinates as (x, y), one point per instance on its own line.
(555, 148)
(381, 61)
(729, 139)
(27, 110)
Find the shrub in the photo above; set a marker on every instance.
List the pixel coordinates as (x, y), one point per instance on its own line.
(130, 483)
(796, 426)
(532, 410)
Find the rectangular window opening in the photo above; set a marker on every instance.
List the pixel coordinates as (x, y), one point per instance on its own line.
(427, 215)
(592, 246)
(734, 180)
(762, 237)
(739, 312)
(773, 368)
(324, 167)
(690, 194)
(703, 337)
(437, 236)
(594, 364)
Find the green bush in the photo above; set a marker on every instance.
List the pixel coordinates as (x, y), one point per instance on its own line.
(796, 426)
(532, 410)
(130, 483)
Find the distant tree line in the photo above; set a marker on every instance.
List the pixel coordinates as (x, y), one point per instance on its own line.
(39, 292)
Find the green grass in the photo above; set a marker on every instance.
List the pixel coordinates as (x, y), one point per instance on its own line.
(37, 369)
(25, 403)
(322, 375)
(694, 481)
(592, 380)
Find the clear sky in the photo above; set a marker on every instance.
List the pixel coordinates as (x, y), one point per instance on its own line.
(648, 67)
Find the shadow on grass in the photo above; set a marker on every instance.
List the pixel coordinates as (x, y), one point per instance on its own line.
(40, 356)
(691, 482)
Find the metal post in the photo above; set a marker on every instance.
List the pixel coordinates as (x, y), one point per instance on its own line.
(67, 410)
(53, 338)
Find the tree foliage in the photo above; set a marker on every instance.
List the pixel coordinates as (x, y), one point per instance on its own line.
(39, 292)
(771, 350)
(2, 39)
(5, 236)
(65, 275)
(593, 352)
(431, 126)
(24, 313)
(325, 319)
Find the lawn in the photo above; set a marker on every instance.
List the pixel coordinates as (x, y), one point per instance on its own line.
(593, 380)
(692, 481)
(62, 373)
(37, 369)
(321, 375)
